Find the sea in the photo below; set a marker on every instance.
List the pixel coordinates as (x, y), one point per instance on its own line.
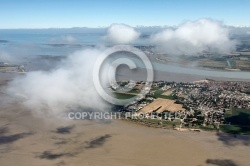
(18, 45)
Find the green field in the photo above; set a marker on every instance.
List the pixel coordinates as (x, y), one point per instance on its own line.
(158, 94)
(238, 116)
(239, 119)
(122, 95)
(235, 129)
(164, 122)
(207, 128)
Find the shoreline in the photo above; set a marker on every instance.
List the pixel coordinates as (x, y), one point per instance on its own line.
(151, 125)
(116, 142)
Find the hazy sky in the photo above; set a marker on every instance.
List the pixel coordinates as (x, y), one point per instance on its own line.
(94, 13)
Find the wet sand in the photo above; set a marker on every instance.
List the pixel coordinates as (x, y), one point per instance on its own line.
(29, 140)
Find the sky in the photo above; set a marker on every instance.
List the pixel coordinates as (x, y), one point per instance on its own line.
(102, 13)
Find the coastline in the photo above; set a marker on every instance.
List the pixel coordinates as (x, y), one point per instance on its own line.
(42, 141)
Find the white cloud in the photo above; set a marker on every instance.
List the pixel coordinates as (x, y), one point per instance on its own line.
(195, 37)
(69, 86)
(121, 34)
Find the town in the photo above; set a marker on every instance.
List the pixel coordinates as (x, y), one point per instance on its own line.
(205, 104)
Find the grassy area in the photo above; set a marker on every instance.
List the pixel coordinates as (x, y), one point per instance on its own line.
(135, 91)
(123, 95)
(174, 122)
(228, 113)
(158, 94)
(164, 122)
(167, 97)
(238, 116)
(235, 129)
(207, 128)
(156, 88)
(239, 119)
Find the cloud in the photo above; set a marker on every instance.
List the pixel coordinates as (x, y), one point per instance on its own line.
(195, 37)
(70, 85)
(121, 34)
(67, 87)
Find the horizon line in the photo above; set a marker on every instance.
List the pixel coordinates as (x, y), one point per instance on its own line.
(104, 27)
